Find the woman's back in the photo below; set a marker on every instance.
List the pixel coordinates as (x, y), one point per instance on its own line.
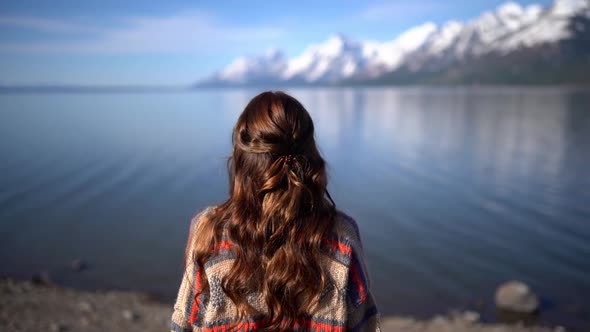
(346, 304)
(276, 255)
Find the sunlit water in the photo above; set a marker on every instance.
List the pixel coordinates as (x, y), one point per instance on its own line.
(455, 190)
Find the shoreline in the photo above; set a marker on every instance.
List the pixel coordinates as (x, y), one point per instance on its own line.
(30, 306)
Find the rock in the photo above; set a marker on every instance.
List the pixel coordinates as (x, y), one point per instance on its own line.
(130, 315)
(516, 296)
(42, 278)
(78, 265)
(440, 320)
(57, 327)
(84, 321)
(471, 316)
(85, 306)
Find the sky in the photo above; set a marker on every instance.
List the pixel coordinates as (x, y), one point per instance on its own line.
(173, 42)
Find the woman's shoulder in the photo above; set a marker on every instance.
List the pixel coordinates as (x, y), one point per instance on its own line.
(344, 242)
(350, 239)
(346, 227)
(201, 214)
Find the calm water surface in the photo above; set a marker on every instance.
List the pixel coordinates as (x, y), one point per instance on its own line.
(455, 189)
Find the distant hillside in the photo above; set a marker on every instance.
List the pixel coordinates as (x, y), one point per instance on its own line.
(511, 45)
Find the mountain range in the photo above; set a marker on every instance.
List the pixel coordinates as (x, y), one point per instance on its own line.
(510, 45)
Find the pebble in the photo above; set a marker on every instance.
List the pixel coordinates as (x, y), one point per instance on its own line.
(84, 321)
(85, 306)
(130, 315)
(42, 278)
(57, 327)
(471, 316)
(516, 296)
(440, 320)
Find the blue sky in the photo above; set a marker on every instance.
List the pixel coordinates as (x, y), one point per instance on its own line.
(179, 42)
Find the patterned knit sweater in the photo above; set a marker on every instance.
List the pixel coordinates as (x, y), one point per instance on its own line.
(345, 305)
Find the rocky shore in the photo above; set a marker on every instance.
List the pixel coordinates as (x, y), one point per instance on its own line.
(29, 306)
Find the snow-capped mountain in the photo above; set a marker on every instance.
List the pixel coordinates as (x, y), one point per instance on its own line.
(509, 30)
(252, 69)
(333, 60)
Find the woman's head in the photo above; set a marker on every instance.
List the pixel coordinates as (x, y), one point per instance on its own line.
(277, 215)
(275, 161)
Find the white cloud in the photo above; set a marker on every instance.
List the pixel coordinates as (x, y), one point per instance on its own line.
(183, 33)
(399, 9)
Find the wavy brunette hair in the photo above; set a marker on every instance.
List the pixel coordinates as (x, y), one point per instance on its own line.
(277, 214)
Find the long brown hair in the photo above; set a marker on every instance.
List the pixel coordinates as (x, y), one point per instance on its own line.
(277, 214)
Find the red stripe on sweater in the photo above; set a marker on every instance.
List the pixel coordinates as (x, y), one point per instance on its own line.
(195, 308)
(356, 278)
(338, 246)
(222, 245)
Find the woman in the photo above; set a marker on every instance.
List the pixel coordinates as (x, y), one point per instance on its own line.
(277, 255)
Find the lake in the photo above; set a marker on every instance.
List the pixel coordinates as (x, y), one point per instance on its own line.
(456, 190)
